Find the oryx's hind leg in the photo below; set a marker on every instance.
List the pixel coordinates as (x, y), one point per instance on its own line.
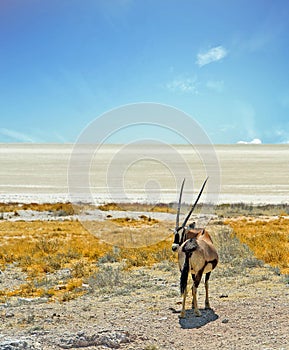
(196, 281)
(207, 303)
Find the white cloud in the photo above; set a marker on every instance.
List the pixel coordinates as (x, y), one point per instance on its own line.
(184, 85)
(253, 142)
(212, 55)
(15, 135)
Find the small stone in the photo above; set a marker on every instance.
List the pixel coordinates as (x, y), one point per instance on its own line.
(223, 296)
(225, 320)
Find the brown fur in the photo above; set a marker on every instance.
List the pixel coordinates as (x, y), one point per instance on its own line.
(202, 260)
(198, 232)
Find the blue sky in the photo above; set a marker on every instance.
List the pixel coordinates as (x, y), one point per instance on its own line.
(65, 62)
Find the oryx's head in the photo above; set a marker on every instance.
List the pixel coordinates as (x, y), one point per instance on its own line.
(180, 229)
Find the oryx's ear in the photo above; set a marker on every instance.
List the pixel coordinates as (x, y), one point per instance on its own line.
(192, 225)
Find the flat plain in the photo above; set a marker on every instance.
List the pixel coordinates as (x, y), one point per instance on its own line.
(144, 173)
(114, 283)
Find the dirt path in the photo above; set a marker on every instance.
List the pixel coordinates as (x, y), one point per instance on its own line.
(250, 311)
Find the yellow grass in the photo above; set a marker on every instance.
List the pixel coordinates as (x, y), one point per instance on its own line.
(43, 249)
(13, 207)
(40, 248)
(128, 222)
(160, 207)
(267, 238)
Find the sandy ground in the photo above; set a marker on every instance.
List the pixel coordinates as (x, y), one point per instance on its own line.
(141, 311)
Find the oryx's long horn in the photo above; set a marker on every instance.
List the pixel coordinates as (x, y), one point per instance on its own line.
(194, 205)
(179, 205)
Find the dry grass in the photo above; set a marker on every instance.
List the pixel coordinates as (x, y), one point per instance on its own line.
(222, 210)
(52, 207)
(160, 207)
(267, 238)
(238, 209)
(130, 233)
(128, 222)
(63, 260)
(41, 249)
(44, 250)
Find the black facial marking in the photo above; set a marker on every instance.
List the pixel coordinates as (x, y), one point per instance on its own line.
(183, 236)
(177, 238)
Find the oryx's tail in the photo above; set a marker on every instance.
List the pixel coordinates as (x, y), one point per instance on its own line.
(188, 248)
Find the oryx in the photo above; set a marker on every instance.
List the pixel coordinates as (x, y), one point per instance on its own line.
(196, 253)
